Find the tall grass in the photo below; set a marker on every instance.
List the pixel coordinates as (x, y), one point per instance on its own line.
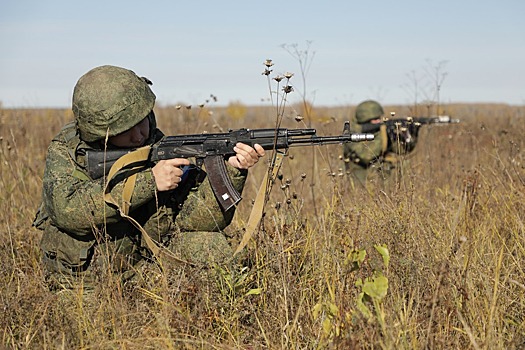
(453, 228)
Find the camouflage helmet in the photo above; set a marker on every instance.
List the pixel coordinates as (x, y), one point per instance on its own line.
(368, 110)
(110, 100)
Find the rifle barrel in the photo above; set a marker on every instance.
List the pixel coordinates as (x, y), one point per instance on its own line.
(324, 140)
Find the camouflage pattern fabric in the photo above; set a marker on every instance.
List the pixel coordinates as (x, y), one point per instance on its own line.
(83, 237)
(367, 163)
(109, 100)
(367, 111)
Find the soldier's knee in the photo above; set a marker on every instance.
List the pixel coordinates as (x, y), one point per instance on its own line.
(202, 247)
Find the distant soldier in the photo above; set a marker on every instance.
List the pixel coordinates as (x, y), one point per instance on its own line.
(83, 234)
(374, 161)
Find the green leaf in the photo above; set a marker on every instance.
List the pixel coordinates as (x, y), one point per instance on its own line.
(376, 287)
(333, 309)
(362, 307)
(355, 258)
(383, 250)
(327, 326)
(255, 291)
(358, 256)
(317, 310)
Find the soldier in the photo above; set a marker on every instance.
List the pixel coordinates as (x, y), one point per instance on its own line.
(374, 161)
(82, 234)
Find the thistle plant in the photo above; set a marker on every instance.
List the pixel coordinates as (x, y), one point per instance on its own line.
(281, 92)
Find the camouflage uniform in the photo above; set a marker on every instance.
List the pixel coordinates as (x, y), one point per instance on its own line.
(370, 162)
(82, 234)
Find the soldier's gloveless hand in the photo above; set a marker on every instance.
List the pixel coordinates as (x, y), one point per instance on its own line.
(246, 156)
(168, 173)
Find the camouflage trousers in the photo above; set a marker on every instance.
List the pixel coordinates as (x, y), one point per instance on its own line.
(381, 175)
(202, 249)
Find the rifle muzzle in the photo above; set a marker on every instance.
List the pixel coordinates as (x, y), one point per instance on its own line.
(446, 119)
(361, 137)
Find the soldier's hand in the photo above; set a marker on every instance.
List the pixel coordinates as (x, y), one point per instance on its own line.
(246, 156)
(168, 173)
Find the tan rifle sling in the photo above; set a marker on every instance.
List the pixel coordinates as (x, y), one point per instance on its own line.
(138, 156)
(384, 138)
(258, 207)
(387, 156)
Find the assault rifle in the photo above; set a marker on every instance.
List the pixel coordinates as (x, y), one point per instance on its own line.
(411, 123)
(212, 149)
(403, 132)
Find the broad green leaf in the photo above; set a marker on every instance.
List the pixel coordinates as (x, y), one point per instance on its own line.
(376, 287)
(317, 310)
(362, 307)
(327, 326)
(356, 258)
(334, 310)
(255, 291)
(383, 250)
(359, 256)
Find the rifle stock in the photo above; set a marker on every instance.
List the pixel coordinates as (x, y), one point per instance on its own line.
(212, 149)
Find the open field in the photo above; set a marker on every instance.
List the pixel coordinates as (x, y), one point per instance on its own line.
(453, 228)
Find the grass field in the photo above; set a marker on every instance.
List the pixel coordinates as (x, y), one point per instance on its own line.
(435, 261)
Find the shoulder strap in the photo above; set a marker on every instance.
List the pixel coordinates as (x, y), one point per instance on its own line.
(384, 138)
(258, 207)
(130, 160)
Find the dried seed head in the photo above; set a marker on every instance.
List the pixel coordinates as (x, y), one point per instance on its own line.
(178, 107)
(303, 176)
(266, 72)
(287, 89)
(298, 118)
(278, 78)
(201, 105)
(268, 63)
(188, 107)
(288, 75)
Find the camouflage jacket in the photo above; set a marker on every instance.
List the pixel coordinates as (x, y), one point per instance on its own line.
(364, 153)
(385, 148)
(75, 217)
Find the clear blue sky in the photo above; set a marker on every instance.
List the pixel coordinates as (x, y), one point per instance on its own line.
(191, 49)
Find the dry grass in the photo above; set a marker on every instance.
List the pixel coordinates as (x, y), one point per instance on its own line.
(454, 229)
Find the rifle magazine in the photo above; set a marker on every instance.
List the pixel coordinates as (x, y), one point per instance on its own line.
(227, 196)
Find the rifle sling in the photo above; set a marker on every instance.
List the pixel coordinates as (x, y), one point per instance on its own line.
(384, 138)
(260, 200)
(126, 160)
